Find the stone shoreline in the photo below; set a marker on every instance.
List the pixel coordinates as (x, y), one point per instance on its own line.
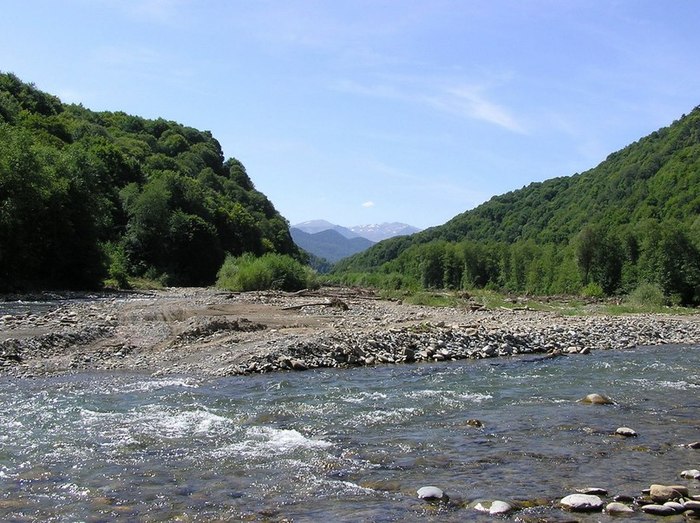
(213, 333)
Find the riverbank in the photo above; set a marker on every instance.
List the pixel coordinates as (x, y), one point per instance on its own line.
(213, 333)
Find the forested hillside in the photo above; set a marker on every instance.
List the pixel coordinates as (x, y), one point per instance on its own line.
(632, 220)
(88, 194)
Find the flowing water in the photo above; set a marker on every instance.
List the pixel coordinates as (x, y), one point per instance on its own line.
(348, 445)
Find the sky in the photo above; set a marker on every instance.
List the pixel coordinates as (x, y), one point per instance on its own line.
(371, 111)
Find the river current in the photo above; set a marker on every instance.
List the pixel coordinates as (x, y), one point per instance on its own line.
(347, 445)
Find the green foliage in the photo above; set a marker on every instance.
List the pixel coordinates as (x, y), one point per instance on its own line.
(647, 294)
(86, 195)
(270, 271)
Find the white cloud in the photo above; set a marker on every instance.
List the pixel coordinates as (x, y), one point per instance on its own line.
(368, 204)
(471, 102)
(463, 100)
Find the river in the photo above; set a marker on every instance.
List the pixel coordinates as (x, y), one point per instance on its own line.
(347, 445)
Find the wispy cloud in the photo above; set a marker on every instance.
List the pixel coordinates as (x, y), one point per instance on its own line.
(368, 204)
(467, 101)
(472, 102)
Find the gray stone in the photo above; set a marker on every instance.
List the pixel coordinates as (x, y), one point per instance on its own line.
(659, 510)
(626, 432)
(691, 504)
(663, 493)
(582, 503)
(678, 507)
(597, 399)
(596, 491)
(691, 474)
(618, 508)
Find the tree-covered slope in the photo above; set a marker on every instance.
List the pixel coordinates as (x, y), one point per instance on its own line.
(609, 223)
(657, 178)
(84, 194)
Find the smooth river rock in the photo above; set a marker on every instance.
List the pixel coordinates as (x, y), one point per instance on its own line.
(597, 399)
(663, 493)
(618, 508)
(658, 510)
(494, 508)
(431, 493)
(626, 432)
(582, 503)
(691, 474)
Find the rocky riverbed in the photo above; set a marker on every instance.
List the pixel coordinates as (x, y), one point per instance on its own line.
(214, 333)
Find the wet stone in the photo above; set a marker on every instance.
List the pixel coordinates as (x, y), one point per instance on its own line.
(430, 493)
(582, 503)
(618, 508)
(626, 432)
(658, 510)
(597, 399)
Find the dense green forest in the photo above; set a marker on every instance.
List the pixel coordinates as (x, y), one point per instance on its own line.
(85, 195)
(633, 220)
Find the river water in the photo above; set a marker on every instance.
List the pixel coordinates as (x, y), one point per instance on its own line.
(347, 445)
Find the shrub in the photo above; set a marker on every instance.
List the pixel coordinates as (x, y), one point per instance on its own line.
(647, 294)
(593, 290)
(270, 271)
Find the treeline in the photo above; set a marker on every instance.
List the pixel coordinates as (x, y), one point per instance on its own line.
(85, 195)
(632, 220)
(596, 263)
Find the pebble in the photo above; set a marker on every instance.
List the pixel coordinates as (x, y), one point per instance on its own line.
(597, 399)
(597, 491)
(500, 507)
(431, 493)
(618, 508)
(626, 432)
(494, 508)
(582, 503)
(691, 474)
(678, 507)
(658, 510)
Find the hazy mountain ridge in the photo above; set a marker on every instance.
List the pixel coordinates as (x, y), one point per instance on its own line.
(329, 244)
(374, 232)
(383, 231)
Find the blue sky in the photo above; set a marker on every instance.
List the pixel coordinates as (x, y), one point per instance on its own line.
(372, 111)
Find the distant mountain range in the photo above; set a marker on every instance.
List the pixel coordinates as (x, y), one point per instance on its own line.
(335, 242)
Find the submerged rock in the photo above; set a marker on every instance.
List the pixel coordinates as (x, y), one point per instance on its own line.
(626, 432)
(494, 508)
(430, 493)
(597, 399)
(691, 474)
(500, 507)
(582, 503)
(618, 508)
(596, 491)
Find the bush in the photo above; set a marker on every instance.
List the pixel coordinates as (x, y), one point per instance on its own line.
(647, 294)
(593, 290)
(270, 271)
